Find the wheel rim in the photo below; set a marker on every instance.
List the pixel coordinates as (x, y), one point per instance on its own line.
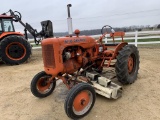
(82, 102)
(15, 51)
(131, 64)
(43, 86)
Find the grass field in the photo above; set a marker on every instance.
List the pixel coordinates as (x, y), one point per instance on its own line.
(144, 40)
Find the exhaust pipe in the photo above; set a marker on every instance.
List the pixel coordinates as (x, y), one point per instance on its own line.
(69, 21)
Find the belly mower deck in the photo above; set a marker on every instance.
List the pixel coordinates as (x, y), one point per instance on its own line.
(103, 86)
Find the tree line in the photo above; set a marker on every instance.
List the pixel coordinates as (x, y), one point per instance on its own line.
(98, 31)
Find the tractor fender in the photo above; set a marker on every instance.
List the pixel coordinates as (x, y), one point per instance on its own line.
(5, 34)
(118, 48)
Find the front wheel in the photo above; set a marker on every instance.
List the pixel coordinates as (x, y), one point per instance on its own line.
(40, 85)
(127, 64)
(80, 100)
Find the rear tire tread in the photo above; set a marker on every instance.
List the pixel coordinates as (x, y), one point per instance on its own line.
(14, 38)
(121, 66)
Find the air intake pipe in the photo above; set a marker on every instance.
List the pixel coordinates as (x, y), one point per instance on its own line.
(69, 21)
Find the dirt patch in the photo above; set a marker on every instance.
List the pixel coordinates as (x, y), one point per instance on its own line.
(140, 101)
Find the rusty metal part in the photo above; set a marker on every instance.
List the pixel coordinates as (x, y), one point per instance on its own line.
(64, 81)
(84, 79)
(117, 34)
(44, 85)
(108, 52)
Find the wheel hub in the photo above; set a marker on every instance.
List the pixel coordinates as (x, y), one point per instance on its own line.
(130, 64)
(43, 85)
(81, 101)
(15, 51)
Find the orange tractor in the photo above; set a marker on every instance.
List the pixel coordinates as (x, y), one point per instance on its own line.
(78, 61)
(14, 47)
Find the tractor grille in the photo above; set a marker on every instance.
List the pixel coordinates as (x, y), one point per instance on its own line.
(48, 56)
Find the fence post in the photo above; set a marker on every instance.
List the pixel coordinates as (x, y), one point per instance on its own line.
(105, 40)
(136, 37)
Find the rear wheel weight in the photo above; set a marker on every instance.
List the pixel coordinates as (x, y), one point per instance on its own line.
(127, 64)
(40, 87)
(80, 100)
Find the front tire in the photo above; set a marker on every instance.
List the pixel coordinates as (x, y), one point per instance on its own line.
(40, 87)
(15, 50)
(79, 101)
(127, 64)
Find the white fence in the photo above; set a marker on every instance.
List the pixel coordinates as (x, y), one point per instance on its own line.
(136, 36)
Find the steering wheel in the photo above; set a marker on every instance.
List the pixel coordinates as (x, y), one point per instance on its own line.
(104, 33)
(106, 26)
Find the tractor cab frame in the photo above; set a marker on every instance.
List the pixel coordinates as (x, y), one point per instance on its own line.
(6, 24)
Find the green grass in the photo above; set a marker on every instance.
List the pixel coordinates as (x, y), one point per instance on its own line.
(144, 40)
(147, 40)
(140, 40)
(36, 45)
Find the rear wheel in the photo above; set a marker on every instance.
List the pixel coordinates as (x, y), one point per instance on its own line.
(80, 100)
(127, 64)
(15, 50)
(41, 86)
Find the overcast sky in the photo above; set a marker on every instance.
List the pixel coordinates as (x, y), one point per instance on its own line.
(86, 14)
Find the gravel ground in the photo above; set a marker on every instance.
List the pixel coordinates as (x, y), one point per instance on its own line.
(140, 101)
